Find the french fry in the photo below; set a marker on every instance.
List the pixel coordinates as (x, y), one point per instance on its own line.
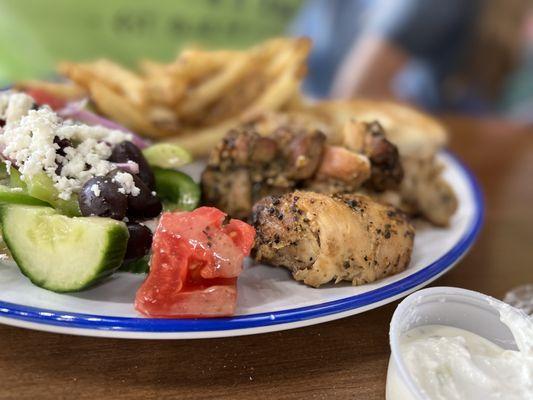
(277, 94)
(151, 67)
(164, 120)
(193, 66)
(120, 78)
(116, 107)
(64, 90)
(198, 95)
(209, 90)
(77, 73)
(164, 89)
(200, 142)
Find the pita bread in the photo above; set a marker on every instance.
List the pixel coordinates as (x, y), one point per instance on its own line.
(414, 132)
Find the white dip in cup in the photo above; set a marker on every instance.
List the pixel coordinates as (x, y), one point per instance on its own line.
(469, 311)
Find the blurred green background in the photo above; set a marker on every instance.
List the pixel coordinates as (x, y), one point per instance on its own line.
(35, 34)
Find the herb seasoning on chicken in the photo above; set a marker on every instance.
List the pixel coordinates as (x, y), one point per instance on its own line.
(250, 164)
(323, 238)
(246, 167)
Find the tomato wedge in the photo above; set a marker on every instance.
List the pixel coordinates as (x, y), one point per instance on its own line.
(196, 259)
(43, 97)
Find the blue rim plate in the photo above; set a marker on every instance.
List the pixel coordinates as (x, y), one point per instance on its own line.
(129, 327)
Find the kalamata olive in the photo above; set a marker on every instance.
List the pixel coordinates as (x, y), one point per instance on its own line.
(139, 243)
(127, 151)
(100, 196)
(145, 205)
(63, 144)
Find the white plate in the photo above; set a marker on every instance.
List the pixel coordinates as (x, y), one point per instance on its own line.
(269, 299)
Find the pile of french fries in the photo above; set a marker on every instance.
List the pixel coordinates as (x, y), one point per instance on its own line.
(195, 98)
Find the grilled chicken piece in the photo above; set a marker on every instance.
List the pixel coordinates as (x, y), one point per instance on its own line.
(425, 192)
(340, 171)
(323, 238)
(418, 137)
(365, 157)
(275, 154)
(416, 186)
(247, 166)
(368, 138)
(422, 193)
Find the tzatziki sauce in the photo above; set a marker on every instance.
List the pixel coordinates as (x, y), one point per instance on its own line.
(448, 363)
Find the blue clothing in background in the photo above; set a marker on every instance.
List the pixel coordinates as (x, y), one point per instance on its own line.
(433, 32)
(333, 26)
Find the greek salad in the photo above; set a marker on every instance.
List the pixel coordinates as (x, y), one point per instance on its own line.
(78, 194)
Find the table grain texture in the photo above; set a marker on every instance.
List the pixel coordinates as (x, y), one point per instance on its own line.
(344, 359)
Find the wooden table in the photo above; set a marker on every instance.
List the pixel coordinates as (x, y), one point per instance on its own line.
(345, 359)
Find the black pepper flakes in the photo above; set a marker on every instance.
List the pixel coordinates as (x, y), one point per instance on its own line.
(409, 234)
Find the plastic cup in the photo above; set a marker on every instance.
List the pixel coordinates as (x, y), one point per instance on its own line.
(459, 308)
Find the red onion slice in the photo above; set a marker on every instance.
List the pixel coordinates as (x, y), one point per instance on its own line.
(76, 110)
(130, 166)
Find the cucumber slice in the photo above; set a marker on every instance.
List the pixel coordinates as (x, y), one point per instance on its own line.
(17, 195)
(16, 192)
(60, 253)
(42, 187)
(3, 172)
(177, 190)
(15, 181)
(166, 155)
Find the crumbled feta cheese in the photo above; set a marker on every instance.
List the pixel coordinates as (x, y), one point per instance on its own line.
(126, 183)
(13, 106)
(77, 131)
(27, 142)
(95, 189)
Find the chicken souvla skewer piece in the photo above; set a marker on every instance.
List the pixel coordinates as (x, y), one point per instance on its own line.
(247, 165)
(322, 238)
